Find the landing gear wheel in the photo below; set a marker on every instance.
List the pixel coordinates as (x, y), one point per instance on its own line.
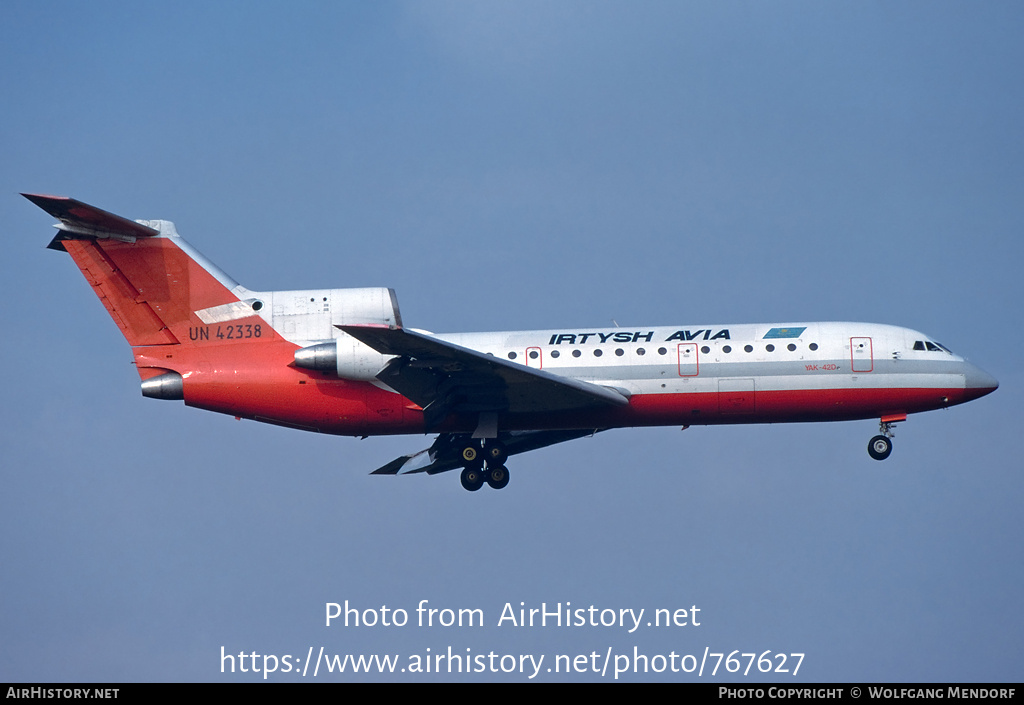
(495, 453)
(473, 478)
(879, 447)
(497, 476)
(470, 454)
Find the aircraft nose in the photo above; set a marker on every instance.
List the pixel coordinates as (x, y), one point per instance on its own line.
(977, 382)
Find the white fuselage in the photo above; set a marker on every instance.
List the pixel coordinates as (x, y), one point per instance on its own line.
(747, 372)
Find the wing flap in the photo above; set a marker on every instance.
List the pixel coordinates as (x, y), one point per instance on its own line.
(443, 455)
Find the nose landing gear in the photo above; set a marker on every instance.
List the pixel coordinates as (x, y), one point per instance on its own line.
(880, 446)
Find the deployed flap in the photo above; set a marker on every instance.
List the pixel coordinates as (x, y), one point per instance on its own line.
(80, 218)
(443, 377)
(444, 454)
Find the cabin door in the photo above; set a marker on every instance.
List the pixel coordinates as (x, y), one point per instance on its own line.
(861, 355)
(688, 364)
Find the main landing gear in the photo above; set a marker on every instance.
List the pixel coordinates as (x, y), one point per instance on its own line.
(475, 474)
(880, 446)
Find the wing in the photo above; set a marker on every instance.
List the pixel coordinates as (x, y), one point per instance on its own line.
(444, 455)
(445, 378)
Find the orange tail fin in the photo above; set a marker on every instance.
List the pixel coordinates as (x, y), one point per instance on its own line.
(150, 281)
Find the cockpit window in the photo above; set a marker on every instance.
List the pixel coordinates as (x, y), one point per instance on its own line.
(929, 346)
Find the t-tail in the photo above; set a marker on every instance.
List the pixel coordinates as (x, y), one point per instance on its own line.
(198, 335)
(160, 292)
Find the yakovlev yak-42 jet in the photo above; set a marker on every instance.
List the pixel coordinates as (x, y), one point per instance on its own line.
(341, 361)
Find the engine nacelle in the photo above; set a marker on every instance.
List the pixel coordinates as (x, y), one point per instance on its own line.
(169, 385)
(344, 356)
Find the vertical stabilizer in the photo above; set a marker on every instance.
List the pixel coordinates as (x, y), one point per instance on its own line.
(150, 281)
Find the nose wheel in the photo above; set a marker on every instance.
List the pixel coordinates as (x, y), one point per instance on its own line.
(880, 446)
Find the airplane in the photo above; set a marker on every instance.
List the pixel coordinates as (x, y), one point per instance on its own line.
(341, 361)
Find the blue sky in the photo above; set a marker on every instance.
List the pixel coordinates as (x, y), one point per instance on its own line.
(515, 166)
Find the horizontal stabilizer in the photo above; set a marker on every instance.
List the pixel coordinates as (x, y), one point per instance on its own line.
(77, 218)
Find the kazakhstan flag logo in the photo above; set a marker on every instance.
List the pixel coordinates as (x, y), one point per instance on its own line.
(784, 333)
